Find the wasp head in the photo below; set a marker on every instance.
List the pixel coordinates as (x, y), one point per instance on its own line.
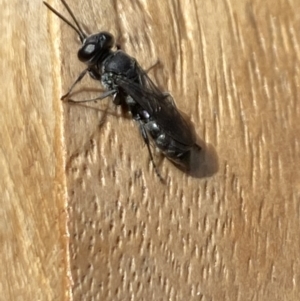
(95, 47)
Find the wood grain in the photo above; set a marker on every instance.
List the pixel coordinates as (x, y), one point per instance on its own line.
(33, 186)
(83, 213)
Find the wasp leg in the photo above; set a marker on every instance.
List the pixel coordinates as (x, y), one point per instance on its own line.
(146, 140)
(102, 96)
(79, 78)
(155, 65)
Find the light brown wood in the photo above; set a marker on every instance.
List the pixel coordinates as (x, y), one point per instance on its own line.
(230, 234)
(33, 239)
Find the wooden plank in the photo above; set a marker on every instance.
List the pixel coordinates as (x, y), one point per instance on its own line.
(32, 183)
(229, 234)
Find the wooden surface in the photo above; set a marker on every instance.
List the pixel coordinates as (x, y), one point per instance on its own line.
(82, 211)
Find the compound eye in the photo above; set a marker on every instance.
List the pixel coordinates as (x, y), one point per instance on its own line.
(87, 52)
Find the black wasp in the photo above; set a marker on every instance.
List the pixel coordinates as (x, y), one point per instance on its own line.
(129, 84)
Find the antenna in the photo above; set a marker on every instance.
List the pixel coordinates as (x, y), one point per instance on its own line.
(80, 32)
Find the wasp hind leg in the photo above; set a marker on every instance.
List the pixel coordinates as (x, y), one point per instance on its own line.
(146, 140)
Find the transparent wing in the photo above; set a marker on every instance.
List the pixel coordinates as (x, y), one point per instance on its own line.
(161, 107)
